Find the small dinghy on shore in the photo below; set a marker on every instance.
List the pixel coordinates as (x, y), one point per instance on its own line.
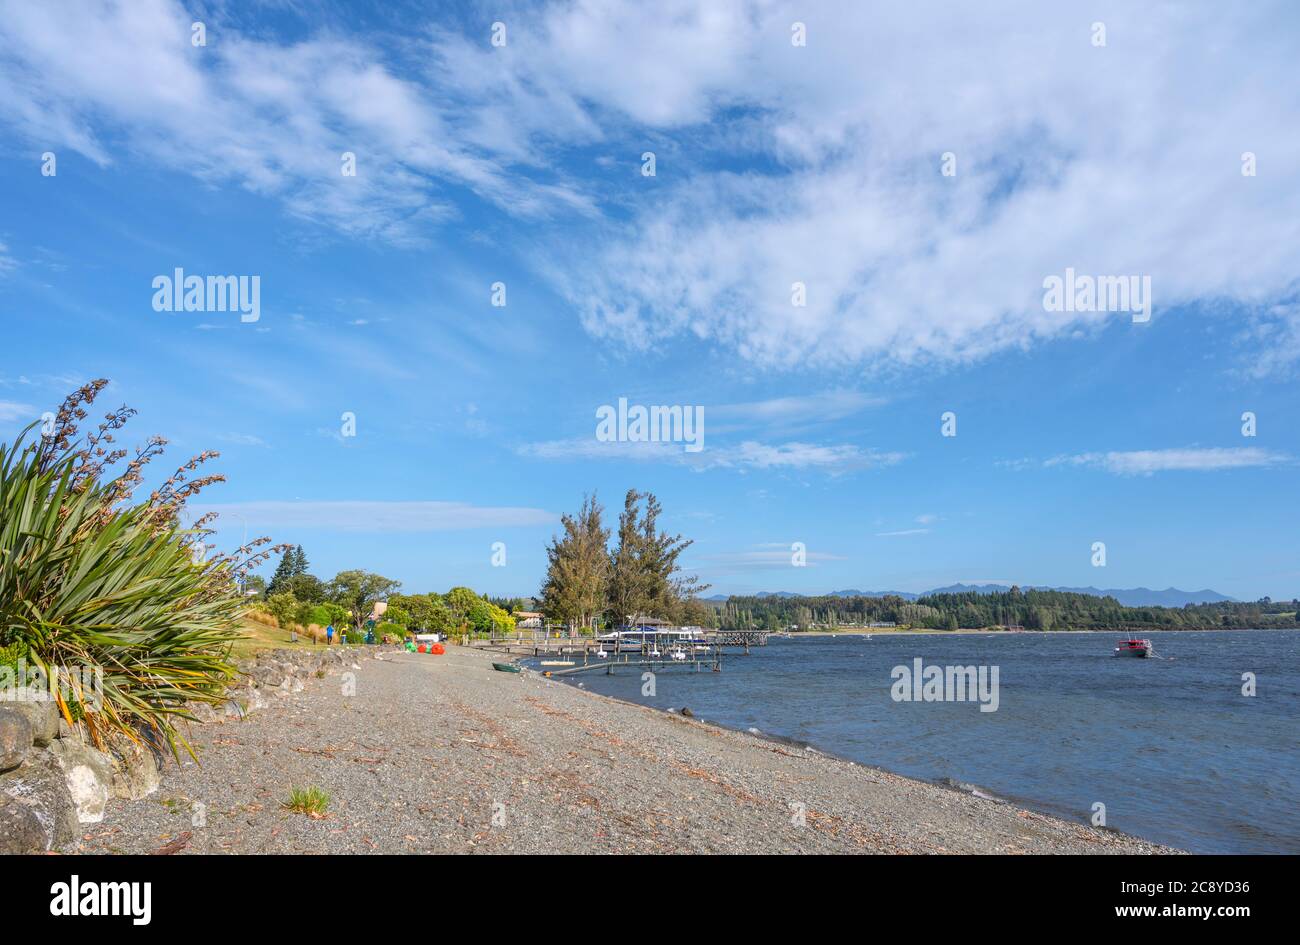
(505, 667)
(1132, 647)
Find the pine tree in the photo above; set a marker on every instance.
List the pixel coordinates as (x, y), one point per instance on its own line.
(665, 588)
(577, 570)
(645, 578)
(627, 585)
(283, 572)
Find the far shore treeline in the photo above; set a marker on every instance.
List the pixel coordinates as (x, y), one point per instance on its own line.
(1031, 610)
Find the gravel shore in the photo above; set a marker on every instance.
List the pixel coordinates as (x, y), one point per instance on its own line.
(442, 754)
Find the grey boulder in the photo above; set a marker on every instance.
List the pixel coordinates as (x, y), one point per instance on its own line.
(89, 776)
(36, 808)
(44, 718)
(15, 737)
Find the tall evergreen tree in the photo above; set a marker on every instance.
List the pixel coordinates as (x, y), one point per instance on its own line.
(283, 572)
(628, 591)
(645, 577)
(667, 590)
(577, 571)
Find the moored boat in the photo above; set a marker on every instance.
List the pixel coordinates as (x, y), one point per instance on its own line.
(652, 641)
(1133, 647)
(505, 667)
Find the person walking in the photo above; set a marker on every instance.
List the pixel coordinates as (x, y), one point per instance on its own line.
(329, 635)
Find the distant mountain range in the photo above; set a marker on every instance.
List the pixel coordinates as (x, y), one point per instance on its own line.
(1129, 597)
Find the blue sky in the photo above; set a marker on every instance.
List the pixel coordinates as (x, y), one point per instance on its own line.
(775, 163)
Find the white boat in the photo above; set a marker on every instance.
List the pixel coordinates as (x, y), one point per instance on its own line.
(649, 640)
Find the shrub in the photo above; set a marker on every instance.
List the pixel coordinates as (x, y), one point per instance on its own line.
(92, 581)
(282, 606)
(11, 655)
(326, 614)
(394, 630)
(258, 615)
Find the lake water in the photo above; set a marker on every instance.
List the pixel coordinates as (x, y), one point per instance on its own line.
(1171, 746)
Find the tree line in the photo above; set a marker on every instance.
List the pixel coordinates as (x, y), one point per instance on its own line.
(295, 596)
(1032, 610)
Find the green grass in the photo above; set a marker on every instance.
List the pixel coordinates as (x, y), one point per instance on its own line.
(255, 637)
(310, 801)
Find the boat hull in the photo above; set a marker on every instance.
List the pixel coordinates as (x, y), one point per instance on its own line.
(1135, 652)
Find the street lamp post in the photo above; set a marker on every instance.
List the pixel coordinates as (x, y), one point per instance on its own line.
(243, 544)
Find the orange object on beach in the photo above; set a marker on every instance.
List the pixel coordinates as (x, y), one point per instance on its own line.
(437, 649)
(420, 648)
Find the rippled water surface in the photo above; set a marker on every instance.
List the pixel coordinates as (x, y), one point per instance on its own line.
(1170, 746)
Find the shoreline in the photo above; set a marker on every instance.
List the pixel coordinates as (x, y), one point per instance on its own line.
(919, 631)
(1018, 802)
(443, 754)
(974, 791)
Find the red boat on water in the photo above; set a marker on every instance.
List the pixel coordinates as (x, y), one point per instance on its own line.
(1131, 647)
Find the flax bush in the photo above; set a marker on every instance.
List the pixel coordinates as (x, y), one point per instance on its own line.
(91, 577)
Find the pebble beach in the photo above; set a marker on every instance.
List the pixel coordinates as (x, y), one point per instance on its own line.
(443, 754)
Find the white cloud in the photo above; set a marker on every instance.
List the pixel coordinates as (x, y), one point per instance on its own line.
(12, 410)
(1069, 155)
(274, 117)
(809, 456)
(1272, 340)
(1148, 462)
(902, 532)
(777, 164)
(795, 411)
(367, 516)
(747, 455)
(736, 561)
(583, 448)
(242, 439)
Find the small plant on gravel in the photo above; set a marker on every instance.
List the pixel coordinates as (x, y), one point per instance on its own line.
(320, 674)
(310, 801)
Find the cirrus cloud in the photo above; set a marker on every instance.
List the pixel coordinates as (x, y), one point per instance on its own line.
(750, 454)
(1149, 462)
(380, 516)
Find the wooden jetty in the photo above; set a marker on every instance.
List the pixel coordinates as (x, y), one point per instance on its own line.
(694, 661)
(745, 638)
(526, 645)
(541, 643)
